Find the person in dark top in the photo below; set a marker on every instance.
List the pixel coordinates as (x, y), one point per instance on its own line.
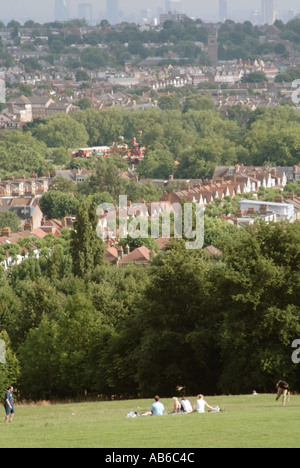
(283, 390)
(9, 405)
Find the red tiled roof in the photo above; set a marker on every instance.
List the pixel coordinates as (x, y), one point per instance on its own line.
(111, 254)
(139, 255)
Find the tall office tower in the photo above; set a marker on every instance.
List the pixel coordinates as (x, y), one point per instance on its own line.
(173, 6)
(267, 11)
(112, 11)
(85, 11)
(223, 11)
(61, 10)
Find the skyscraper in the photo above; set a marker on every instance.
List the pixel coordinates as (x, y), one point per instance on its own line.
(173, 6)
(61, 10)
(85, 11)
(223, 12)
(112, 10)
(267, 11)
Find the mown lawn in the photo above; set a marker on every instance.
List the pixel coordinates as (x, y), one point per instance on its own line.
(246, 421)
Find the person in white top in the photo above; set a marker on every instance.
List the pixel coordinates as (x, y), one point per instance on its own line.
(186, 405)
(201, 404)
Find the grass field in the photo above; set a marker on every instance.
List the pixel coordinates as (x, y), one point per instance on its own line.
(247, 421)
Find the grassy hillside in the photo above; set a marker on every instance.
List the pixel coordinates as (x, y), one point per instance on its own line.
(247, 421)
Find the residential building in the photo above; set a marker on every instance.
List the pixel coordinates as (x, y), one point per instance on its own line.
(275, 211)
(21, 108)
(26, 208)
(140, 256)
(40, 106)
(265, 176)
(8, 238)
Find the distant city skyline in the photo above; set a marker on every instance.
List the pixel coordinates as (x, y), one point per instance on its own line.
(131, 10)
(112, 11)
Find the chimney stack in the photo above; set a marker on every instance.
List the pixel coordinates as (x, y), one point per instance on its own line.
(28, 226)
(278, 199)
(5, 232)
(120, 253)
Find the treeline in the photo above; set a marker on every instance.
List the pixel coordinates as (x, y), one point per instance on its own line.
(123, 43)
(128, 43)
(74, 325)
(186, 138)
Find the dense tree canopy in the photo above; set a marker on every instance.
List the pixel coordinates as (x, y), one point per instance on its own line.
(56, 204)
(61, 131)
(213, 326)
(20, 152)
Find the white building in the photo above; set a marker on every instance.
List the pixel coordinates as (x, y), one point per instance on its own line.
(277, 211)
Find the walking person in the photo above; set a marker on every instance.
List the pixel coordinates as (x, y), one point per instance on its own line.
(9, 405)
(283, 390)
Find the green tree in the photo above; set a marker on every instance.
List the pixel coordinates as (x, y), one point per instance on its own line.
(62, 131)
(169, 102)
(260, 306)
(198, 102)
(274, 137)
(10, 312)
(93, 58)
(86, 247)
(77, 327)
(10, 220)
(56, 204)
(158, 163)
(107, 179)
(255, 77)
(61, 184)
(60, 156)
(84, 103)
(179, 321)
(9, 364)
(40, 378)
(39, 298)
(21, 152)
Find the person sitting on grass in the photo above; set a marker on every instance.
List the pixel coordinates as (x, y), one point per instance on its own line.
(186, 406)
(157, 409)
(200, 405)
(177, 406)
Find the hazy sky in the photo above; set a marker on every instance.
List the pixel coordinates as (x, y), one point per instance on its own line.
(42, 11)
